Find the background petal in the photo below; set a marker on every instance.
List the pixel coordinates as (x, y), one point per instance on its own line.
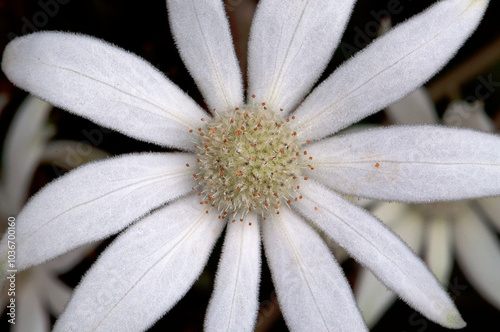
(56, 294)
(103, 83)
(491, 206)
(438, 253)
(30, 314)
(389, 68)
(70, 154)
(145, 271)
(201, 32)
(478, 255)
(284, 60)
(410, 163)
(416, 108)
(468, 115)
(24, 145)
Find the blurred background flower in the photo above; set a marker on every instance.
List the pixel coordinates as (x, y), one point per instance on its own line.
(39, 292)
(440, 232)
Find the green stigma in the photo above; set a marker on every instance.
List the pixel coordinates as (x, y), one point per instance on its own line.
(248, 160)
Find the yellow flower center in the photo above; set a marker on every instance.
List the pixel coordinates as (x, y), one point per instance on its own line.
(248, 160)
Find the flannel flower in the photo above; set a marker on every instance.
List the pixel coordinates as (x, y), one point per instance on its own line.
(440, 231)
(256, 167)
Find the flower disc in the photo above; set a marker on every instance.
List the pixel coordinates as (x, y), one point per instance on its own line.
(248, 160)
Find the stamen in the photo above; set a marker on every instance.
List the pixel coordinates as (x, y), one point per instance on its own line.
(243, 170)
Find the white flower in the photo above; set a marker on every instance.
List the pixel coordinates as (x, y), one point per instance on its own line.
(156, 260)
(440, 231)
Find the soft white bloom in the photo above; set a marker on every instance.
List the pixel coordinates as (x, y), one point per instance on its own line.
(440, 231)
(253, 161)
(39, 292)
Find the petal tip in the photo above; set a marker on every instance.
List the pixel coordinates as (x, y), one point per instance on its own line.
(453, 320)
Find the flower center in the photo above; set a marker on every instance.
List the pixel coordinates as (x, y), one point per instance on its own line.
(248, 160)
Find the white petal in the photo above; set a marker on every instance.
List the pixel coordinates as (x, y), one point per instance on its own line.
(151, 266)
(463, 114)
(478, 254)
(312, 290)
(416, 108)
(30, 312)
(97, 200)
(389, 68)
(491, 206)
(103, 83)
(201, 32)
(23, 147)
(284, 60)
(234, 302)
(373, 245)
(372, 296)
(410, 163)
(439, 248)
(145, 271)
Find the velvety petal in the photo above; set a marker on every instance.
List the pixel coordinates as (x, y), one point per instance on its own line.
(312, 291)
(145, 271)
(410, 163)
(235, 300)
(103, 83)
(468, 115)
(389, 68)
(416, 108)
(491, 206)
(373, 245)
(478, 254)
(284, 60)
(201, 32)
(23, 147)
(439, 248)
(372, 296)
(95, 201)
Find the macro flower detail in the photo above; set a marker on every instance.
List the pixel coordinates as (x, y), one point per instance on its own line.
(175, 214)
(249, 160)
